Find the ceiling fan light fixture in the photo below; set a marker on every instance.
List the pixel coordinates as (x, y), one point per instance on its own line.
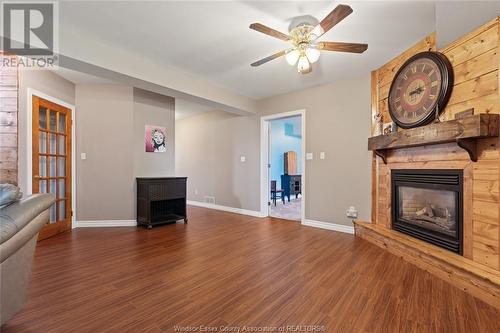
(312, 54)
(303, 33)
(303, 66)
(317, 31)
(292, 57)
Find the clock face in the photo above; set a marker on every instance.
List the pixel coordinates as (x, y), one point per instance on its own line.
(421, 84)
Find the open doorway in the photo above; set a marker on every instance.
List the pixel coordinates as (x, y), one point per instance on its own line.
(283, 152)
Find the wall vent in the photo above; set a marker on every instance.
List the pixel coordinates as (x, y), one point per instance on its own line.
(209, 199)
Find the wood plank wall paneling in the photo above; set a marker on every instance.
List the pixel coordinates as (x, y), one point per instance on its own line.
(8, 122)
(475, 63)
(374, 105)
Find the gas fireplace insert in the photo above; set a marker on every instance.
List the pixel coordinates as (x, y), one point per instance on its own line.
(428, 205)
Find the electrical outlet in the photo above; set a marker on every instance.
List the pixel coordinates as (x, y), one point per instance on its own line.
(352, 213)
(243, 158)
(309, 156)
(83, 156)
(322, 155)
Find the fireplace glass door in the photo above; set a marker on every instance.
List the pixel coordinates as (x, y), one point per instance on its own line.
(429, 208)
(427, 204)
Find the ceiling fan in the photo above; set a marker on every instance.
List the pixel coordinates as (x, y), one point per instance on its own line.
(303, 35)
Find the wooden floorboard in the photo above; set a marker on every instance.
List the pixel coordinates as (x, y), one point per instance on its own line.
(223, 269)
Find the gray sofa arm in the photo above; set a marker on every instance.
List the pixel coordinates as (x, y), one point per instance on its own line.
(19, 222)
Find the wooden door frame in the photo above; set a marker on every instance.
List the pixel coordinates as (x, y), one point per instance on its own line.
(29, 145)
(264, 160)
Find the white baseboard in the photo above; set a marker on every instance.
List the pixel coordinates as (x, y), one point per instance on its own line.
(330, 226)
(310, 223)
(105, 223)
(133, 223)
(226, 208)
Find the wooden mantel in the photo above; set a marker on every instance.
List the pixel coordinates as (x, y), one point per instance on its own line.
(464, 132)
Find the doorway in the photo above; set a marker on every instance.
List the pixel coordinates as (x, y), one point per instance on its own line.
(283, 175)
(51, 156)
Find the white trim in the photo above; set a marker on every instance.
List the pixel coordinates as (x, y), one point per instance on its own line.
(329, 226)
(264, 159)
(29, 154)
(310, 223)
(105, 223)
(226, 208)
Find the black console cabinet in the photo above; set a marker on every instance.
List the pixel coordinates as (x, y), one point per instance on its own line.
(161, 200)
(291, 185)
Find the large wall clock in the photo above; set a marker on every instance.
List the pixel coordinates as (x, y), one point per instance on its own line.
(423, 83)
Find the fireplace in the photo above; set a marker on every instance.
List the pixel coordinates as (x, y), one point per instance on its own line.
(427, 204)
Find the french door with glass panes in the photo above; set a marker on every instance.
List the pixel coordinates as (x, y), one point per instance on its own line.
(52, 162)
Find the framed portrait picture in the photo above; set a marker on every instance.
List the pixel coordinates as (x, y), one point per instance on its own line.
(155, 139)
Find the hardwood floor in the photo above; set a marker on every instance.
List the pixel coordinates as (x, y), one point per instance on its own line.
(224, 269)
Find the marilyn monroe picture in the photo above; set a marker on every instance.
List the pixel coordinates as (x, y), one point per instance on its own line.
(155, 139)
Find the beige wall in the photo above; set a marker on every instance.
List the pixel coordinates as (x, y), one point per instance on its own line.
(208, 151)
(337, 124)
(45, 82)
(110, 130)
(153, 109)
(209, 148)
(104, 124)
(109, 125)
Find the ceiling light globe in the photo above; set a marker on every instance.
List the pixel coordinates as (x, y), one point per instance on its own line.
(312, 54)
(292, 57)
(317, 31)
(303, 65)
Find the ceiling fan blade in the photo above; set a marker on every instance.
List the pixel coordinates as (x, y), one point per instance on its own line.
(342, 47)
(269, 31)
(338, 14)
(267, 59)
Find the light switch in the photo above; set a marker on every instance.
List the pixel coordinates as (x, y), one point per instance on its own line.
(309, 156)
(243, 158)
(83, 156)
(322, 155)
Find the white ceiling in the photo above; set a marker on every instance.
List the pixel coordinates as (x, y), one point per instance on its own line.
(81, 78)
(212, 40)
